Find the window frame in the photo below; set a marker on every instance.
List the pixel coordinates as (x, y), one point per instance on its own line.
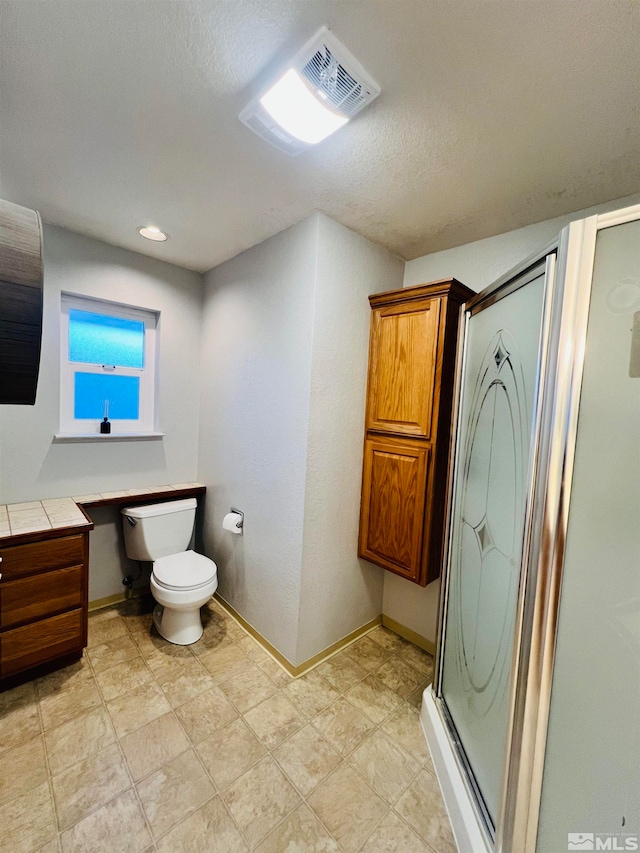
(146, 423)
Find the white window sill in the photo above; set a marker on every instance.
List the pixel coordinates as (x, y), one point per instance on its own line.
(63, 437)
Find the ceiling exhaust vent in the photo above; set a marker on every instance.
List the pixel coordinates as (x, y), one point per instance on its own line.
(318, 92)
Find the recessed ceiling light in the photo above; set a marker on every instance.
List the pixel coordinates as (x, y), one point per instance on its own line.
(150, 232)
(318, 92)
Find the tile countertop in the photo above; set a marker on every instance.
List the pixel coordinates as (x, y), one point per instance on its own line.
(38, 516)
(52, 514)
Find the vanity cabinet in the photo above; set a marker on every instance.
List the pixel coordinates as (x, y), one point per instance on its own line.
(412, 350)
(43, 601)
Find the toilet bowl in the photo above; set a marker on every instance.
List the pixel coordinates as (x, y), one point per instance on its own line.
(181, 584)
(181, 580)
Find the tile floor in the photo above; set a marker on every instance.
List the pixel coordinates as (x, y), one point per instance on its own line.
(146, 747)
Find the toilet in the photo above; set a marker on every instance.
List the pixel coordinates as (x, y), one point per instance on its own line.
(181, 580)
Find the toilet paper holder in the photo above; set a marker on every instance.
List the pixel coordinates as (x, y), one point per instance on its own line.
(239, 524)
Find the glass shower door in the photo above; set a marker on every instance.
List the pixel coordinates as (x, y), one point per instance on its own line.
(499, 385)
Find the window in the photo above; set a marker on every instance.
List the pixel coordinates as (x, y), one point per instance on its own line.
(107, 367)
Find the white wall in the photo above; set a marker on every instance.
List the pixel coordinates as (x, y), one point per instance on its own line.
(256, 377)
(284, 367)
(413, 606)
(339, 592)
(477, 265)
(33, 467)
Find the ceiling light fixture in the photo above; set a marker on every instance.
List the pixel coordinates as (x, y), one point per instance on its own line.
(150, 232)
(292, 104)
(322, 88)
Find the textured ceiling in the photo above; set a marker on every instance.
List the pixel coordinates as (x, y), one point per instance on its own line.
(493, 115)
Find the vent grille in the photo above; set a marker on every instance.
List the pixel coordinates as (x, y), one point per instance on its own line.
(332, 80)
(334, 75)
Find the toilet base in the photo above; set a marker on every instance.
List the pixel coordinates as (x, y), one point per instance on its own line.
(181, 627)
(177, 614)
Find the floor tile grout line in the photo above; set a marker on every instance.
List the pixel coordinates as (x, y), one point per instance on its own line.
(257, 642)
(94, 810)
(101, 805)
(64, 690)
(339, 651)
(126, 764)
(306, 721)
(48, 769)
(326, 659)
(235, 823)
(295, 808)
(390, 807)
(134, 785)
(344, 759)
(217, 788)
(115, 743)
(268, 753)
(326, 779)
(400, 817)
(260, 646)
(131, 786)
(140, 804)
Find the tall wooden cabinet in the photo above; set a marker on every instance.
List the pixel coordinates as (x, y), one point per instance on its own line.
(412, 350)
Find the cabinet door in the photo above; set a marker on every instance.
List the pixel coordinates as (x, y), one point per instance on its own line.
(402, 367)
(392, 521)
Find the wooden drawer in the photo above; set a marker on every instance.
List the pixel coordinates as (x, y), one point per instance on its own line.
(41, 595)
(40, 642)
(21, 560)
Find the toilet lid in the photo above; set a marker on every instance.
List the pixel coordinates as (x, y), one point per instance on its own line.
(185, 570)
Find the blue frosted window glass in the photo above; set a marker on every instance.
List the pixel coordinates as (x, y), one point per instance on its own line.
(92, 389)
(102, 339)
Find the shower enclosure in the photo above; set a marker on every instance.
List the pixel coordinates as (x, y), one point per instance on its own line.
(545, 497)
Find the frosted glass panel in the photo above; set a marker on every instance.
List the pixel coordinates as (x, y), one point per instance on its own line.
(102, 339)
(487, 526)
(91, 390)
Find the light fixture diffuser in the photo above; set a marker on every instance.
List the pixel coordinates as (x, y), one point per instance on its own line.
(150, 232)
(317, 93)
(292, 104)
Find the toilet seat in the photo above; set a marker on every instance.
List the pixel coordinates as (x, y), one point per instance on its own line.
(184, 571)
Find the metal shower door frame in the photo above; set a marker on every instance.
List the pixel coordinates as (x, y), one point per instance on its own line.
(569, 271)
(529, 270)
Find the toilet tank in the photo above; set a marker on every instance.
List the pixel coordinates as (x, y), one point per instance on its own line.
(157, 530)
